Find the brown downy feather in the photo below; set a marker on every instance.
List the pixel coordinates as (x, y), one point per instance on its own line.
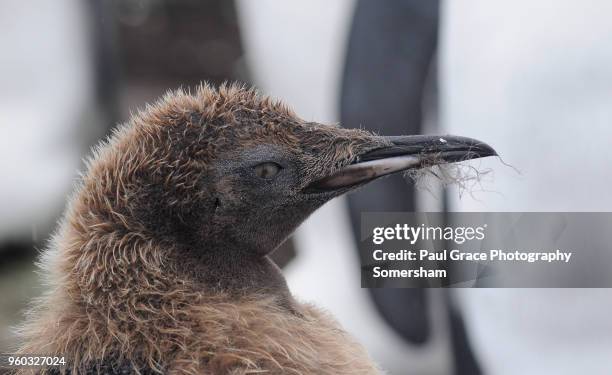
(115, 295)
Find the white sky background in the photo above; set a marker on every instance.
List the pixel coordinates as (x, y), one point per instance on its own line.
(534, 79)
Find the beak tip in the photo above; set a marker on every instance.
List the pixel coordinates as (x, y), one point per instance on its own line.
(485, 150)
(458, 149)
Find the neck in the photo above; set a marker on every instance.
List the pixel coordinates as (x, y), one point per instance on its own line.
(231, 271)
(111, 261)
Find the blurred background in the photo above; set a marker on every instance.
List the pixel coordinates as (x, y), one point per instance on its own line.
(532, 78)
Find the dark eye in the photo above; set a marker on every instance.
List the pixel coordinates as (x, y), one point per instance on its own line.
(267, 170)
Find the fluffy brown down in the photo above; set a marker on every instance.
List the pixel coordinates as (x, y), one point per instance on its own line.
(114, 293)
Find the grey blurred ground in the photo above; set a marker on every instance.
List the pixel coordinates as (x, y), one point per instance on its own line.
(18, 284)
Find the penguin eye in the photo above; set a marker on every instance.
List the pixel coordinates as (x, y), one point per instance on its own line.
(267, 170)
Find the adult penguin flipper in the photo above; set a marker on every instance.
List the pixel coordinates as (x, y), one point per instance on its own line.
(390, 106)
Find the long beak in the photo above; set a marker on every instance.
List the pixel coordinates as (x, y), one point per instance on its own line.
(401, 154)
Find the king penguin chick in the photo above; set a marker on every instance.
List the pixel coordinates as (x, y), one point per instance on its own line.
(160, 264)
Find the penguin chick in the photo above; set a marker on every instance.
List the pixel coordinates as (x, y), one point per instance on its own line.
(160, 264)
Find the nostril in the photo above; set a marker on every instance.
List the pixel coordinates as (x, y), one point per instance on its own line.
(217, 204)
